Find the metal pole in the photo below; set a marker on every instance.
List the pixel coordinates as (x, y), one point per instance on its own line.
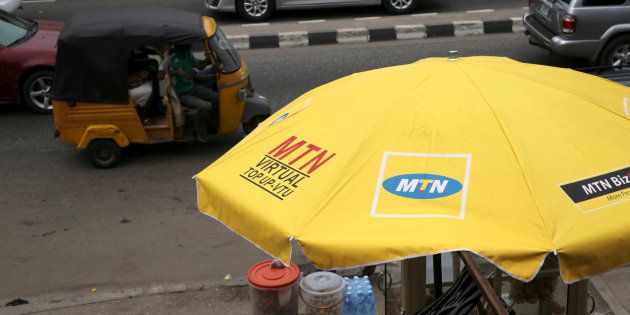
(497, 284)
(414, 281)
(456, 265)
(437, 275)
(577, 297)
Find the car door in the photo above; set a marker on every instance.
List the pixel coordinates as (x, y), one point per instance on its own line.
(305, 3)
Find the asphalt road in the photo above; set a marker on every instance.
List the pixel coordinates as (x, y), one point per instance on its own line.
(66, 226)
(62, 9)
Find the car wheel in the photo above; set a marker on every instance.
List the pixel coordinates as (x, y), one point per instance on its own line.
(36, 91)
(400, 6)
(617, 52)
(255, 10)
(104, 153)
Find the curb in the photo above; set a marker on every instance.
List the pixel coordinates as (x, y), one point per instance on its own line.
(365, 35)
(50, 302)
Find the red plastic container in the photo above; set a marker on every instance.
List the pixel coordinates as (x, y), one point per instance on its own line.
(273, 288)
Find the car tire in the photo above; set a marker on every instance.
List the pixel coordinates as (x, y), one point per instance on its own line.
(400, 6)
(617, 52)
(255, 10)
(36, 91)
(104, 153)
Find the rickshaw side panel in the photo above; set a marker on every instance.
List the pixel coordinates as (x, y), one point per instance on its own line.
(73, 121)
(231, 107)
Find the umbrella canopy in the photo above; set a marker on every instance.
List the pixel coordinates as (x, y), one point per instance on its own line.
(509, 160)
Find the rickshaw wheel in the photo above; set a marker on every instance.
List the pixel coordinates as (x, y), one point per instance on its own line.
(104, 153)
(252, 124)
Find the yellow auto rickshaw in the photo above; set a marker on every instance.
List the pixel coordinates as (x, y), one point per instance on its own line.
(91, 103)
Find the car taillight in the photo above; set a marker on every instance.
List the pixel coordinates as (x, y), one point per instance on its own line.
(568, 24)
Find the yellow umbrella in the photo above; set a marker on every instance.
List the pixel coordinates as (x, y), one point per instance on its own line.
(509, 160)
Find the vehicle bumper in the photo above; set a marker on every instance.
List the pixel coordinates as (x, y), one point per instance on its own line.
(544, 38)
(220, 5)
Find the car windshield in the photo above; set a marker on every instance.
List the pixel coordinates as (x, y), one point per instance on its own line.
(225, 52)
(13, 29)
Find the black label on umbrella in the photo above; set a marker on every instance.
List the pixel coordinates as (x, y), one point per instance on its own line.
(599, 185)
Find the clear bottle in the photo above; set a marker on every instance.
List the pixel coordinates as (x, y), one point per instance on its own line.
(362, 306)
(371, 303)
(348, 307)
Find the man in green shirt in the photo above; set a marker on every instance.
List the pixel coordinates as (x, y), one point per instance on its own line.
(192, 95)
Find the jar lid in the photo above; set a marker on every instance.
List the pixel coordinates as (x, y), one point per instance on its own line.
(263, 275)
(322, 282)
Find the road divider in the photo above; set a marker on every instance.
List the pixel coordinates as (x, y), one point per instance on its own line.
(365, 35)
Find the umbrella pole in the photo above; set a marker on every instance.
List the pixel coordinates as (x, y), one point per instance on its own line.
(414, 282)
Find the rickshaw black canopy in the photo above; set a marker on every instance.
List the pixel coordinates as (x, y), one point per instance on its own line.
(95, 46)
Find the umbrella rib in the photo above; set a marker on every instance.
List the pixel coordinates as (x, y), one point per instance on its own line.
(551, 84)
(323, 203)
(503, 129)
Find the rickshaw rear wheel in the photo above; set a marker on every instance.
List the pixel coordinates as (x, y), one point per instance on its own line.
(104, 153)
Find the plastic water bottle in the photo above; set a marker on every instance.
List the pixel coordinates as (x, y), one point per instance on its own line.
(371, 303)
(360, 297)
(348, 307)
(360, 307)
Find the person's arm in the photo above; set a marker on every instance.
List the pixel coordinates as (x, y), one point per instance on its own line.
(201, 64)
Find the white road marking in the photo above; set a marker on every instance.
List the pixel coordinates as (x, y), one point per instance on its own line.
(311, 21)
(481, 11)
(367, 18)
(425, 14)
(255, 24)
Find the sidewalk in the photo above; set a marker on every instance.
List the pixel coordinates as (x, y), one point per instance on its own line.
(377, 28)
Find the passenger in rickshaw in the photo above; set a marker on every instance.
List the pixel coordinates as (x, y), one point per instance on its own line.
(192, 95)
(144, 85)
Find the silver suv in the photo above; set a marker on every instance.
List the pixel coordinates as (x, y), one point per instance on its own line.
(595, 29)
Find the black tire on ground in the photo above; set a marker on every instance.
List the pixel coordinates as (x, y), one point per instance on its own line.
(104, 153)
(36, 90)
(255, 10)
(252, 124)
(400, 6)
(616, 52)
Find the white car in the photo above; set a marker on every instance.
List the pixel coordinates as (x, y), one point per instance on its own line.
(258, 10)
(10, 5)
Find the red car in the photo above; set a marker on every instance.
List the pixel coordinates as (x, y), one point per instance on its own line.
(27, 59)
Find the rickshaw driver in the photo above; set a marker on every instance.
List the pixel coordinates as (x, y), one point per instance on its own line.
(193, 95)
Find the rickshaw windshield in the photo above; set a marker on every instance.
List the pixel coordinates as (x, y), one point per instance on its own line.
(226, 54)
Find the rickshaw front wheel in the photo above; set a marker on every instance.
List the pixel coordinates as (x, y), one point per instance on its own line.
(104, 153)
(252, 124)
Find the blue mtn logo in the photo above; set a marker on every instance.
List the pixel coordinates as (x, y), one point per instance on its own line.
(422, 186)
